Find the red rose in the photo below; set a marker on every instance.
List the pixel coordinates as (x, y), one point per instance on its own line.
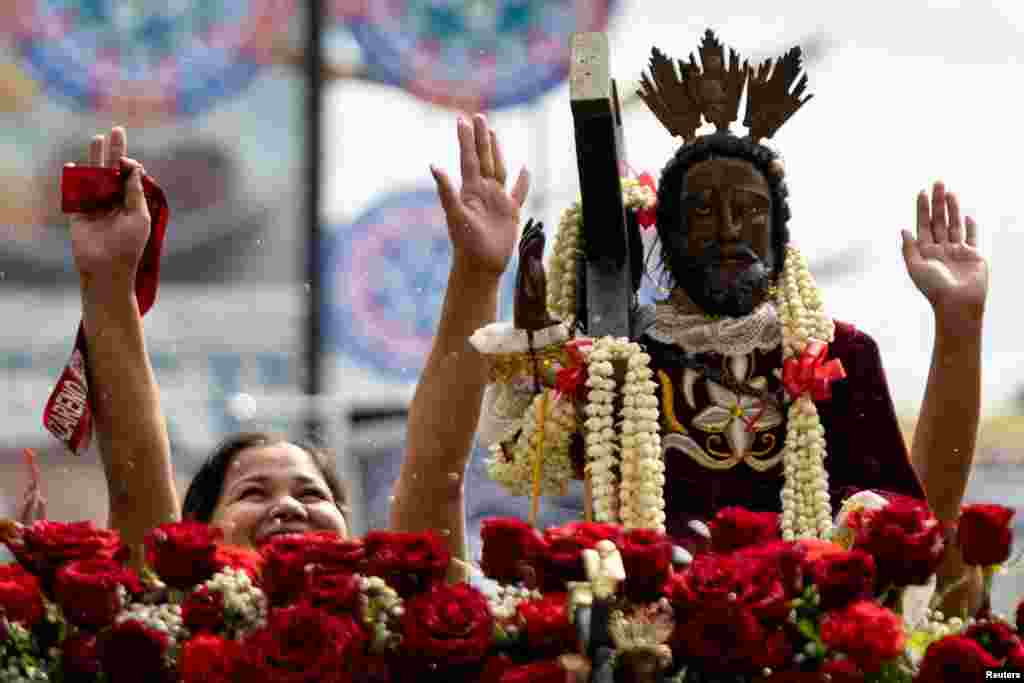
(550, 671)
(998, 638)
(45, 546)
(1015, 658)
(647, 559)
(736, 527)
(21, 596)
(709, 578)
(842, 578)
(507, 544)
(725, 638)
(286, 557)
(865, 631)
(784, 557)
(714, 579)
(763, 593)
(842, 671)
(239, 558)
(131, 651)
(202, 611)
(562, 560)
(955, 659)
(985, 534)
(87, 591)
(448, 625)
(334, 591)
(905, 539)
(303, 644)
(183, 553)
(80, 657)
(410, 563)
(1020, 617)
(209, 659)
(546, 623)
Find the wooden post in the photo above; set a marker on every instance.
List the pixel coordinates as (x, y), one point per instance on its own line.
(606, 292)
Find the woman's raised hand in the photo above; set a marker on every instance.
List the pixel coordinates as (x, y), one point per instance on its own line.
(108, 246)
(483, 218)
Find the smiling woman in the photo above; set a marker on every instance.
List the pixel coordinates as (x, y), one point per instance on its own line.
(257, 485)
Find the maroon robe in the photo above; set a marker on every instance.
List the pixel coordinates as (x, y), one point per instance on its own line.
(864, 444)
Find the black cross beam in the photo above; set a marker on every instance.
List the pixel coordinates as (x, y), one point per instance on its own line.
(606, 281)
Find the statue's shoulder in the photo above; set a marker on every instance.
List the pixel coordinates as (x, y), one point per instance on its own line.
(851, 342)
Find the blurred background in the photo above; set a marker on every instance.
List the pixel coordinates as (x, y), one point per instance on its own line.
(216, 97)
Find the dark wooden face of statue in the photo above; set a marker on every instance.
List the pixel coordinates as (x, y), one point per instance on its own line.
(729, 255)
(727, 203)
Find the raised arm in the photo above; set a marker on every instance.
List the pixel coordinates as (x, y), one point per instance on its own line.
(483, 220)
(130, 428)
(944, 263)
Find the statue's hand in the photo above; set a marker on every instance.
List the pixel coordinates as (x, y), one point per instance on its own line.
(943, 260)
(483, 218)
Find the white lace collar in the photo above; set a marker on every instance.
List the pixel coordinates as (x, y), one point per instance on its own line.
(680, 322)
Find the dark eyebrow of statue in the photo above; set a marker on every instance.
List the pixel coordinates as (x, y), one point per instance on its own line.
(754, 190)
(694, 199)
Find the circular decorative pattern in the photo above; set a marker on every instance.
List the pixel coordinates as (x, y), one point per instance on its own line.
(474, 54)
(385, 282)
(149, 60)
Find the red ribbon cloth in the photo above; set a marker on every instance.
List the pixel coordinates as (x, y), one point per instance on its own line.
(648, 217)
(812, 373)
(88, 189)
(569, 381)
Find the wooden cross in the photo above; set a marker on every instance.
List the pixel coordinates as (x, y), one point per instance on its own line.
(605, 276)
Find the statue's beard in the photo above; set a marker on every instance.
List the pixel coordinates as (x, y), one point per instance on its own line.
(725, 291)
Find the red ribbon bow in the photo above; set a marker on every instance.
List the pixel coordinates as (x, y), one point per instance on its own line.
(648, 217)
(812, 373)
(570, 380)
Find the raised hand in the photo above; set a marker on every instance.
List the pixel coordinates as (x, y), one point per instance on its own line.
(107, 247)
(33, 504)
(483, 218)
(943, 260)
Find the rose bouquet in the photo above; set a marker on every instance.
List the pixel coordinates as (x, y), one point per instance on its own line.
(626, 602)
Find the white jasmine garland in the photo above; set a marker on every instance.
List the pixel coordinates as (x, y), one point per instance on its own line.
(503, 600)
(569, 245)
(638, 501)
(806, 509)
(513, 467)
(165, 618)
(381, 608)
(245, 605)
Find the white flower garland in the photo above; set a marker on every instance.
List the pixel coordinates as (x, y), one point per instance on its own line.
(514, 467)
(639, 501)
(245, 604)
(569, 245)
(806, 509)
(382, 609)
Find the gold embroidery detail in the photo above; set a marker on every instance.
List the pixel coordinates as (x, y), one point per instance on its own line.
(668, 413)
(770, 440)
(505, 367)
(713, 442)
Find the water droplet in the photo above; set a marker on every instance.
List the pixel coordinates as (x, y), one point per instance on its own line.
(308, 287)
(392, 499)
(259, 242)
(454, 476)
(446, 532)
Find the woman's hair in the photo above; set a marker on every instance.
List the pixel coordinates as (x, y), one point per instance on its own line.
(671, 219)
(205, 490)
